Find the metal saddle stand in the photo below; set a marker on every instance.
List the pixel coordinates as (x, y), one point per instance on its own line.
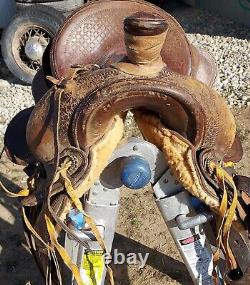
(145, 161)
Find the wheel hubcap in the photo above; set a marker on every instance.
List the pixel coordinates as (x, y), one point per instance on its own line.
(31, 46)
(34, 50)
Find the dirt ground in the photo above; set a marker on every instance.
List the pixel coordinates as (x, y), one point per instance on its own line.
(140, 229)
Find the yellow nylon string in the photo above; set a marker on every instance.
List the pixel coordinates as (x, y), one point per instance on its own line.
(228, 164)
(111, 276)
(226, 230)
(24, 193)
(222, 209)
(221, 218)
(63, 253)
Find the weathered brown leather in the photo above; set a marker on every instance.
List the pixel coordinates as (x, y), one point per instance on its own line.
(144, 42)
(91, 99)
(198, 120)
(180, 55)
(15, 143)
(243, 184)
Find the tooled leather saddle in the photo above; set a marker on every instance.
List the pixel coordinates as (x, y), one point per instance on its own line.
(110, 57)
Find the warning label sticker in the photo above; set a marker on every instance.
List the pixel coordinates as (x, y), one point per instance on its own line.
(189, 240)
(198, 257)
(92, 267)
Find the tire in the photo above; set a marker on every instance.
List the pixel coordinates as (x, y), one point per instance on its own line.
(37, 1)
(36, 23)
(63, 6)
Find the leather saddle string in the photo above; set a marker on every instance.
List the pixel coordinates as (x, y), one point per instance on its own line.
(63, 253)
(26, 191)
(225, 220)
(219, 226)
(89, 220)
(1, 154)
(56, 125)
(57, 101)
(30, 232)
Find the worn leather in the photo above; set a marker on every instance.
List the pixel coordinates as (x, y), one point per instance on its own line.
(81, 117)
(92, 98)
(107, 37)
(18, 153)
(94, 34)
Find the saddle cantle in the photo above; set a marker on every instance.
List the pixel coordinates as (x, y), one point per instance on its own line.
(94, 34)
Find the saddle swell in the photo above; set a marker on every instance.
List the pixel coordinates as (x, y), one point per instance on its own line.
(183, 105)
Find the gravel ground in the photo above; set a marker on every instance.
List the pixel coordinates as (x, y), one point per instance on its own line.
(229, 44)
(227, 41)
(14, 96)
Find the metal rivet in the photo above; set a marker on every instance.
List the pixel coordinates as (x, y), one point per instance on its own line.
(135, 148)
(112, 203)
(165, 180)
(105, 189)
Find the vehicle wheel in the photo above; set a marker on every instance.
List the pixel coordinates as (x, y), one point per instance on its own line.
(64, 6)
(26, 37)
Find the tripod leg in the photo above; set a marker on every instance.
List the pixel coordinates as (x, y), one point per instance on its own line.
(186, 228)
